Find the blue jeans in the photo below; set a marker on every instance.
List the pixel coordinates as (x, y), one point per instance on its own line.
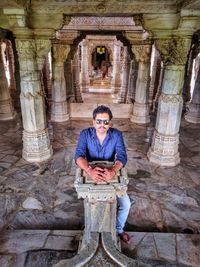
(123, 207)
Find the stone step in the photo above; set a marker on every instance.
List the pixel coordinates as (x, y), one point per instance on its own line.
(101, 85)
(101, 81)
(25, 248)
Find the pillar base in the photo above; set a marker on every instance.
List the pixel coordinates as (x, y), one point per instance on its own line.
(140, 113)
(193, 113)
(36, 146)
(7, 111)
(59, 111)
(164, 150)
(84, 88)
(120, 100)
(115, 89)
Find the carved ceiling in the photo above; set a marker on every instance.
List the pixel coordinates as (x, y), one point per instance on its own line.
(101, 6)
(43, 17)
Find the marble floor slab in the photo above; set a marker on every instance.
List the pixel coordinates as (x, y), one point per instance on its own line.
(25, 248)
(165, 199)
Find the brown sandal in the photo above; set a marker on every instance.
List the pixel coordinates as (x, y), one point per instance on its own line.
(124, 237)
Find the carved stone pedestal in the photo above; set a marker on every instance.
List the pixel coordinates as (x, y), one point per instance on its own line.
(7, 111)
(99, 246)
(140, 113)
(59, 111)
(193, 114)
(36, 146)
(164, 150)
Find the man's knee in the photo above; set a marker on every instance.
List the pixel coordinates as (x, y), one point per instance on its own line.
(124, 202)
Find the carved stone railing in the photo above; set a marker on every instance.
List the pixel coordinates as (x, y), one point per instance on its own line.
(99, 245)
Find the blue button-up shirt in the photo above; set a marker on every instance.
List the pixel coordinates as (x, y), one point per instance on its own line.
(112, 148)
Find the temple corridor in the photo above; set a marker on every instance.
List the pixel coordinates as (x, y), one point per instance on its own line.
(38, 196)
(59, 60)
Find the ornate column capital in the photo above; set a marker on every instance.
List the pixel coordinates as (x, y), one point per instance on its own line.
(142, 52)
(29, 49)
(60, 52)
(173, 51)
(26, 48)
(42, 46)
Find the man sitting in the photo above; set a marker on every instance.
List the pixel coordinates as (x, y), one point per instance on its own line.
(104, 143)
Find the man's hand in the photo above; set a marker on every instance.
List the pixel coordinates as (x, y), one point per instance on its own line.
(108, 174)
(97, 174)
(101, 175)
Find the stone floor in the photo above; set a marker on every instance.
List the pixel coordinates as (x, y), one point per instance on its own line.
(41, 196)
(43, 248)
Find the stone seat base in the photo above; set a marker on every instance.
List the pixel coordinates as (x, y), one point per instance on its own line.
(24, 248)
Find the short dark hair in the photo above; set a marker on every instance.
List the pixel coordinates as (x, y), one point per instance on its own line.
(102, 109)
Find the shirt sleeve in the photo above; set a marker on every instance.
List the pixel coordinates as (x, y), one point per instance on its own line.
(81, 146)
(121, 154)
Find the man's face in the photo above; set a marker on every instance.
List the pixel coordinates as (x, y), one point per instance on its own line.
(101, 123)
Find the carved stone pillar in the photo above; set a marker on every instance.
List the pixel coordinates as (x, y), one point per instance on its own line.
(188, 74)
(47, 81)
(141, 107)
(59, 108)
(164, 148)
(36, 144)
(84, 75)
(75, 78)
(116, 81)
(159, 89)
(11, 66)
(193, 113)
(155, 75)
(6, 108)
(69, 81)
(125, 77)
(132, 81)
(14, 73)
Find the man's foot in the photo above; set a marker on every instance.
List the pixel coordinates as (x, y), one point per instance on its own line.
(124, 237)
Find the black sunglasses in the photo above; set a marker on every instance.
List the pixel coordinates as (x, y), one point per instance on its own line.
(99, 121)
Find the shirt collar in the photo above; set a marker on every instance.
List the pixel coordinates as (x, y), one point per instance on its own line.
(94, 135)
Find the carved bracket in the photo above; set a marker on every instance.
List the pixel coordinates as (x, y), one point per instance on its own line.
(174, 50)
